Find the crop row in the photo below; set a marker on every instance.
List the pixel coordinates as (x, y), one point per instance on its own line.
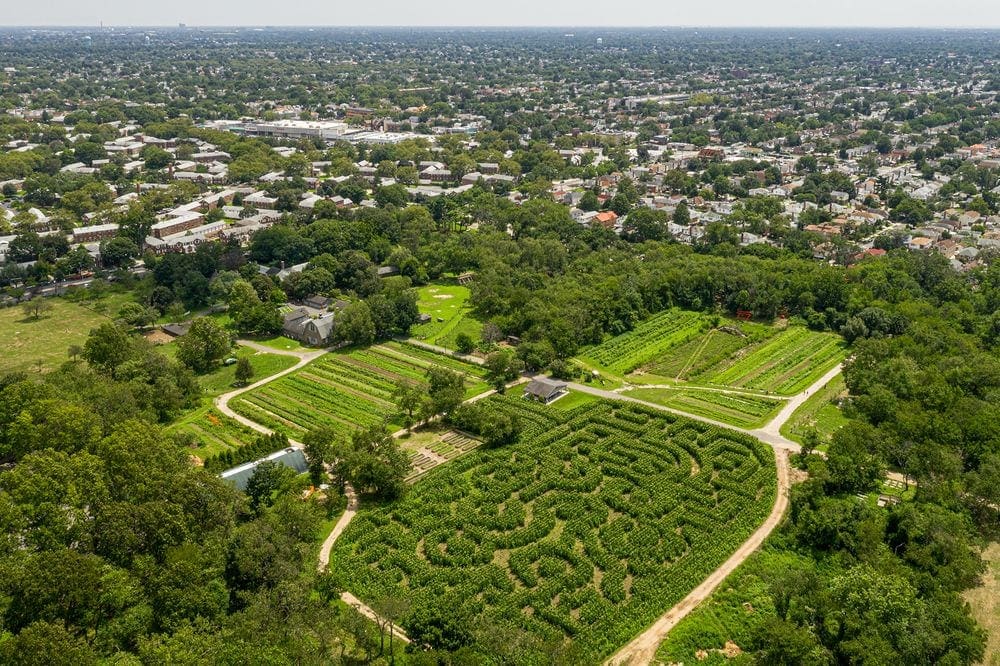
(649, 339)
(588, 528)
(785, 364)
(346, 389)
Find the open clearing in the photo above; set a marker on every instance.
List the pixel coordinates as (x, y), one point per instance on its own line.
(352, 389)
(985, 602)
(447, 306)
(30, 344)
(589, 528)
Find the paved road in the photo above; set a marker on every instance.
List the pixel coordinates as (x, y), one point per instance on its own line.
(642, 649)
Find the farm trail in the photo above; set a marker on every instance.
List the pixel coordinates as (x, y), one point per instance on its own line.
(697, 352)
(222, 401)
(642, 649)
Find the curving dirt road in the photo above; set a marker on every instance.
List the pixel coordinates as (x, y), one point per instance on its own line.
(222, 401)
(642, 649)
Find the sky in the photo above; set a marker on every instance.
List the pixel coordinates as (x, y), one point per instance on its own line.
(604, 13)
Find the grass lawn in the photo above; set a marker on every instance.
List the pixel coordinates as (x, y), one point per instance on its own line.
(743, 411)
(30, 344)
(447, 305)
(223, 378)
(820, 411)
(280, 342)
(573, 400)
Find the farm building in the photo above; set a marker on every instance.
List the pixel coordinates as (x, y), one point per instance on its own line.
(239, 476)
(301, 325)
(545, 389)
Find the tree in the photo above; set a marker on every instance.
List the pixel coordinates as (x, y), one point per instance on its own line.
(319, 449)
(464, 343)
(203, 345)
(137, 315)
(409, 397)
(244, 371)
(36, 307)
(502, 367)
(446, 389)
(118, 252)
(682, 216)
(354, 324)
(107, 347)
(268, 479)
(589, 201)
(501, 429)
(376, 464)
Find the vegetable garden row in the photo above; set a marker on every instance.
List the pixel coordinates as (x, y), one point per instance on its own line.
(653, 337)
(740, 410)
(351, 389)
(786, 364)
(593, 524)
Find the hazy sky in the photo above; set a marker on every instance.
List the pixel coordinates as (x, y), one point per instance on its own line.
(929, 13)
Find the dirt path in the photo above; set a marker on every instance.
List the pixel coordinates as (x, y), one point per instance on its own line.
(222, 401)
(367, 611)
(338, 529)
(642, 649)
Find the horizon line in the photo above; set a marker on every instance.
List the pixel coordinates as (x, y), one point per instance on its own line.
(267, 26)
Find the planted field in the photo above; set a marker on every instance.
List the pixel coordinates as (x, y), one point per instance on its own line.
(820, 412)
(349, 389)
(786, 364)
(699, 354)
(743, 411)
(447, 306)
(650, 339)
(212, 433)
(589, 528)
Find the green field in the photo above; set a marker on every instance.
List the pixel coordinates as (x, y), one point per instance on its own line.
(30, 344)
(352, 389)
(698, 355)
(447, 305)
(649, 340)
(212, 432)
(785, 364)
(743, 411)
(589, 528)
(223, 378)
(819, 412)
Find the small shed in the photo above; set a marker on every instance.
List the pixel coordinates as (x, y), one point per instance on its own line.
(545, 389)
(176, 330)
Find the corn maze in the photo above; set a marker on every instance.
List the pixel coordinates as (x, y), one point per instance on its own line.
(597, 521)
(349, 389)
